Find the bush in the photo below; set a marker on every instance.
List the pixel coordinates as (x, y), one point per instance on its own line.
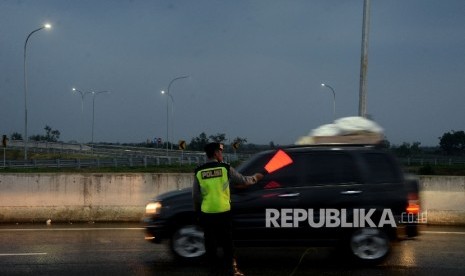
(426, 170)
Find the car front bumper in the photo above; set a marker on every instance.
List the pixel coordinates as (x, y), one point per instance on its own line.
(155, 230)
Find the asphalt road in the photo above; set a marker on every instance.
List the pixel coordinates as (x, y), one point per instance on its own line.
(120, 249)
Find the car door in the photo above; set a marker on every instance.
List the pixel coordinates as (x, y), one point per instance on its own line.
(332, 187)
(386, 187)
(318, 184)
(274, 192)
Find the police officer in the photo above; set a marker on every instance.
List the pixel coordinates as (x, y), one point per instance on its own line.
(212, 203)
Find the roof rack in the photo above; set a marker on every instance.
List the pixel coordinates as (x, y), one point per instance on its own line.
(356, 139)
(339, 145)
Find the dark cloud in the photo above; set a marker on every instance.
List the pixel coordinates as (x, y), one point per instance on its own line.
(255, 67)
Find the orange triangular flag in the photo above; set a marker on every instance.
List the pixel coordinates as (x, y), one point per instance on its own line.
(278, 161)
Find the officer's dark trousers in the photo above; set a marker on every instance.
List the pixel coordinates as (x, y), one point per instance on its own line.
(218, 234)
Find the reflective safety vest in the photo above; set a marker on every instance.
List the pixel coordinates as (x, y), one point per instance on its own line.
(214, 187)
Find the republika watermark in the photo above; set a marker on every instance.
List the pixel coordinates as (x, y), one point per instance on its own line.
(421, 217)
(289, 218)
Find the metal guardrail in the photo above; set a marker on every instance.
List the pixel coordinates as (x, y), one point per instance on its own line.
(146, 161)
(130, 156)
(432, 161)
(107, 156)
(100, 163)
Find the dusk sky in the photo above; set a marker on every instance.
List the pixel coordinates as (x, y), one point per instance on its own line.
(255, 67)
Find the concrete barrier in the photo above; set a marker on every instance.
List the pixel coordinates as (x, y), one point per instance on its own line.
(74, 197)
(443, 199)
(82, 197)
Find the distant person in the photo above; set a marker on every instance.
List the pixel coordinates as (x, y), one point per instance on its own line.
(212, 203)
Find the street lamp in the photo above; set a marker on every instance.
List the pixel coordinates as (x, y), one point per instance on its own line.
(334, 98)
(167, 108)
(93, 111)
(83, 94)
(25, 139)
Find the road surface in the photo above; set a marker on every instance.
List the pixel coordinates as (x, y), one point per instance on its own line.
(120, 249)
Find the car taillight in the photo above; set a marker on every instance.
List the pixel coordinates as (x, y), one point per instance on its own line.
(413, 206)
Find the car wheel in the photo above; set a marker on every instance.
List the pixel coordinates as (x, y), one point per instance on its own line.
(369, 245)
(411, 230)
(188, 242)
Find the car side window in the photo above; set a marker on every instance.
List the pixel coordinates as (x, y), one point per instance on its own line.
(288, 176)
(327, 168)
(284, 177)
(310, 168)
(381, 168)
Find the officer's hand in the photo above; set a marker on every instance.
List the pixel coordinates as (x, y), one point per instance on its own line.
(258, 177)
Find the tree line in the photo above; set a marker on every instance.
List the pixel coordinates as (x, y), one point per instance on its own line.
(450, 143)
(51, 135)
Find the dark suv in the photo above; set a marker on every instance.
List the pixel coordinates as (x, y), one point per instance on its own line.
(353, 196)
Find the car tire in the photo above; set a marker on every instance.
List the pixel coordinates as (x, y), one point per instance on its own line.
(369, 246)
(411, 230)
(188, 242)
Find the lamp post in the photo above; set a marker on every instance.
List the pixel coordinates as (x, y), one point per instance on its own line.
(93, 111)
(167, 108)
(334, 98)
(167, 116)
(25, 139)
(82, 94)
(362, 105)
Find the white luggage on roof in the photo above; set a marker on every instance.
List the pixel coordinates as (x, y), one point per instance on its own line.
(347, 130)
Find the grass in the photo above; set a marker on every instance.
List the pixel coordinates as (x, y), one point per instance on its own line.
(428, 169)
(18, 155)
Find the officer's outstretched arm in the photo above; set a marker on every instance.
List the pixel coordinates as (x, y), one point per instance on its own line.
(240, 181)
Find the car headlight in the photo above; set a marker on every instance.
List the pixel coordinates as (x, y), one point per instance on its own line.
(153, 208)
